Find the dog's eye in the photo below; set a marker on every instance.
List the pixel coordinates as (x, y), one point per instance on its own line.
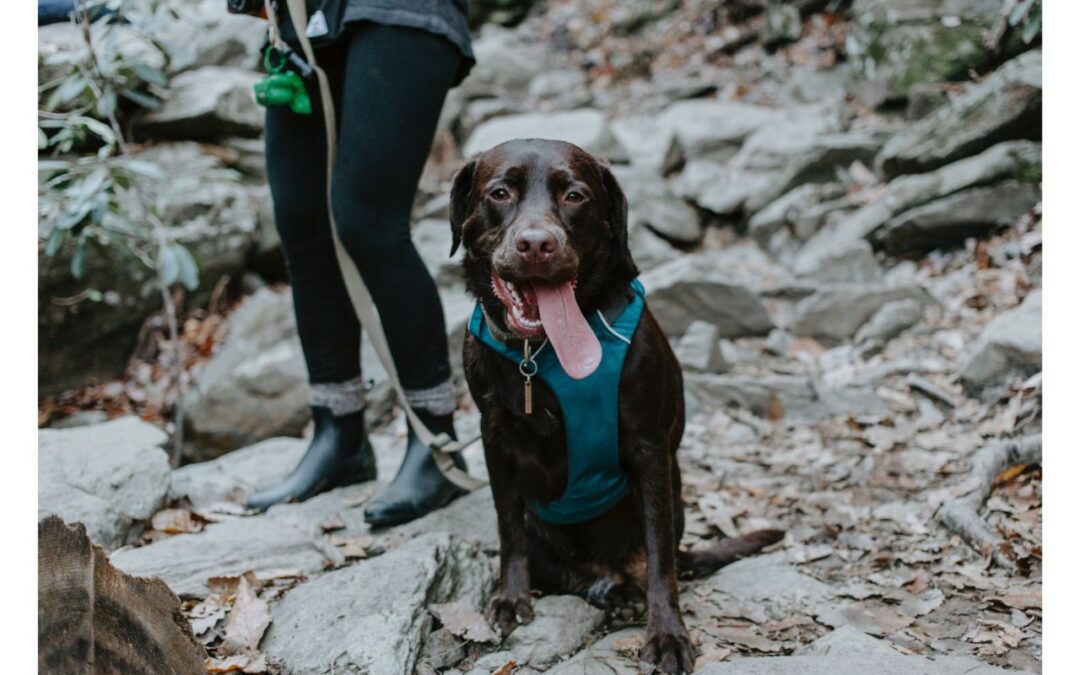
(500, 195)
(574, 197)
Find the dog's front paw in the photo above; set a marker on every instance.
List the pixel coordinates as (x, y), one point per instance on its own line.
(670, 651)
(507, 612)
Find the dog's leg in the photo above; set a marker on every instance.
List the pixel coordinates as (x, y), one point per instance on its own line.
(667, 642)
(511, 604)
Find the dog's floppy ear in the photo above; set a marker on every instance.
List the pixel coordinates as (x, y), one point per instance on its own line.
(617, 217)
(459, 202)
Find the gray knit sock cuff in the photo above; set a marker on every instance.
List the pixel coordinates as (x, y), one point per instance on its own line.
(342, 398)
(438, 400)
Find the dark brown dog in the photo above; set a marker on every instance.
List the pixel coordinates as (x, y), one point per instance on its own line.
(534, 216)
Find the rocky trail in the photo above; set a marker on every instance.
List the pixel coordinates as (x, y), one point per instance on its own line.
(845, 251)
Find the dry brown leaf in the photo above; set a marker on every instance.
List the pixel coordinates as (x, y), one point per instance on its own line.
(628, 646)
(774, 408)
(1024, 598)
(464, 622)
(1010, 473)
(353, 547)
(333, 523)
(248, 620)
(506, 668)
(176, 521)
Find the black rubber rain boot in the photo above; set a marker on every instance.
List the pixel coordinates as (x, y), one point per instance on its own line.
(339, 455)
(419, 487)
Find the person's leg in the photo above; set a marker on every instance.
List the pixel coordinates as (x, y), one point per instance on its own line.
(395, 81)
(327, 325)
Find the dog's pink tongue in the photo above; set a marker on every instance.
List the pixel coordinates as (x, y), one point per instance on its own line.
(575, 343)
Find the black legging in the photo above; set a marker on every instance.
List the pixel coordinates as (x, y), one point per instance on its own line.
(388, 83)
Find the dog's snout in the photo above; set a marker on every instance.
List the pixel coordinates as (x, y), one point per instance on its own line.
(536, 245)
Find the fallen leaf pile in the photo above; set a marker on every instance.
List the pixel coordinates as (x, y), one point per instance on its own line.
(232, 619)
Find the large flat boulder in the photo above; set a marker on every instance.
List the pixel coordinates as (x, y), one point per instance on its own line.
(950, 220)
(1006, 105)
(1010, 160)
(110, 477)
(262, 544)
(717, 286)
(837, 311)
(376, 610)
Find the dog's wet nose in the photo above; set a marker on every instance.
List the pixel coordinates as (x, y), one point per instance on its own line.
(535, 245)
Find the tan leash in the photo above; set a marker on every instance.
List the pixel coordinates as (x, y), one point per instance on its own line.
(442, 446)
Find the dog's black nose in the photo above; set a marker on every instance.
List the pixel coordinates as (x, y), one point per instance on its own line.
(535, 245)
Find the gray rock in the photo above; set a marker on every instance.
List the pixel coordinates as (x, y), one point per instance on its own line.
(838, 310)
(652, 204)
(206, 104)
(803, 145)
(110, 477)
(700, 286)
(793, 398)
(586, 128)
(647, 143)
(847, 641)
(950, 220)
(891, 320)
(789, 208)
(561, 625)
(433, 239)
(481, 110)
(1011, 343)
(895, 46)
(229, 548)
(851, 262)
(442, 650)
(720, 188)
(375, 609)
(924, 99)
(250, 158)
(650, 249)
(489, 663)
(767, 578)
(208, 35)
(255, 387)
(470, 518)
(1006, 105)
(608, 656)
(1012, 159)
(561, 88)
(504, 65)
(782, 24)
(699, 348)
(238, 473)
(713, 129)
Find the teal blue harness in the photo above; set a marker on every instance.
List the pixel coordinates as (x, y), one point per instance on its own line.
(590, 411)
